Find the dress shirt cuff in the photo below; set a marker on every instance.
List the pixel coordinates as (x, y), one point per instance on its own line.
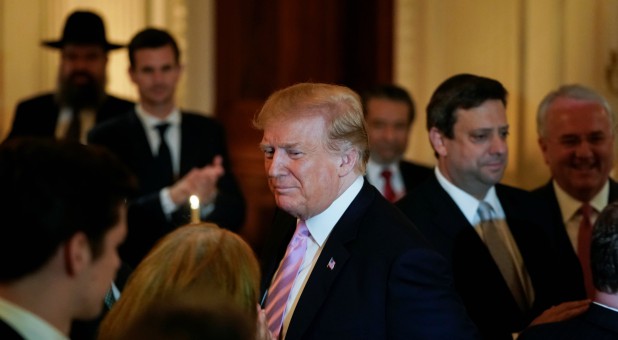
(167, 204)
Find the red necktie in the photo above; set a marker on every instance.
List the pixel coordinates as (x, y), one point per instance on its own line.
(583, 247)
(388, 191)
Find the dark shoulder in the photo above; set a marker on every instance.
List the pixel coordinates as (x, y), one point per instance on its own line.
(513, 192)
(202, 120)
(113, 128)
(45, 99)
(544, 190)
(412, 166)
(417, 197)
(119, 103)
(385, 222)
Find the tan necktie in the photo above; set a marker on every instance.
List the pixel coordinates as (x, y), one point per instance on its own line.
(499, 252)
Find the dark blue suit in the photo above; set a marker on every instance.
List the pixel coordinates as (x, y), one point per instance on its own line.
(413, 174)
(477, 278)
(598, 323)
(202, 138)
(38, 116)
(386, 282)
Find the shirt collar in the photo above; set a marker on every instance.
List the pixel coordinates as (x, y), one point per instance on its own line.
(569, 205)
(151, 121)
(27, 324)
(321, 225)
(467, 203)
(374, 170)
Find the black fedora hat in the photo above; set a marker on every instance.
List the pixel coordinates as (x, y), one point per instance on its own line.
(83, 28)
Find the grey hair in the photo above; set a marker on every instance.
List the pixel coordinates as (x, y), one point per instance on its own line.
(573, 91)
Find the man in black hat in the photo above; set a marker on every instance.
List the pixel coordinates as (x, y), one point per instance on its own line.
(79, 101)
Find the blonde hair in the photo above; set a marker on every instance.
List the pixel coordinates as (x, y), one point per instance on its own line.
(202, 261)
(340, 106)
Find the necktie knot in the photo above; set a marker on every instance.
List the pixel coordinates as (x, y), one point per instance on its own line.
(484, 211)
(386, 174)
(301, 233)
(161, 128)
(585, 210)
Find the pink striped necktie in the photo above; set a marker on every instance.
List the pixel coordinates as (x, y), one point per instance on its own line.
(281, 286)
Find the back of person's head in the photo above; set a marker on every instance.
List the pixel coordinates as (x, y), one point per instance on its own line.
(188, 318)
(52, 190)
(462, 91)
(604, 250)
(203, 260)
(571, 91)
(391, 92)
(340, 106)
(152, 38)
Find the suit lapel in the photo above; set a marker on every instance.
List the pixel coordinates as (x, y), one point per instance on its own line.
(325, 271)
(449, 217)
(136, 131)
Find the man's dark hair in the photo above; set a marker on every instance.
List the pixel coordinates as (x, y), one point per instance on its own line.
(391, 92)
(462, 91)
(604, 250)
(152, 38)
(50, 191)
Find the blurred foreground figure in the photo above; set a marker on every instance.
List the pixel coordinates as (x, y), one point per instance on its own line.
(63, 218)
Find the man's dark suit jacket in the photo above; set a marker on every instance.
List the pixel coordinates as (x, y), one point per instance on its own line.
(8, 333)
(598, 323)
(202, 138)
(38, 116)
(385, 282)
(477, 278)
(413, 174)
(557, 230)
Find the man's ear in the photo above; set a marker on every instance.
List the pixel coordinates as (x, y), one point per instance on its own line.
(77, 254)
(131, 72)
(349, 158)
(436, 138)
(543, 146)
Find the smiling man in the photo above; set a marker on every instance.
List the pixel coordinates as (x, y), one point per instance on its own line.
(174, 153)
(576, 135)
(342, 262)
(504, 268)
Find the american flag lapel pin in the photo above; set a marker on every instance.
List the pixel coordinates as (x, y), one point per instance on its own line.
(331, 264)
